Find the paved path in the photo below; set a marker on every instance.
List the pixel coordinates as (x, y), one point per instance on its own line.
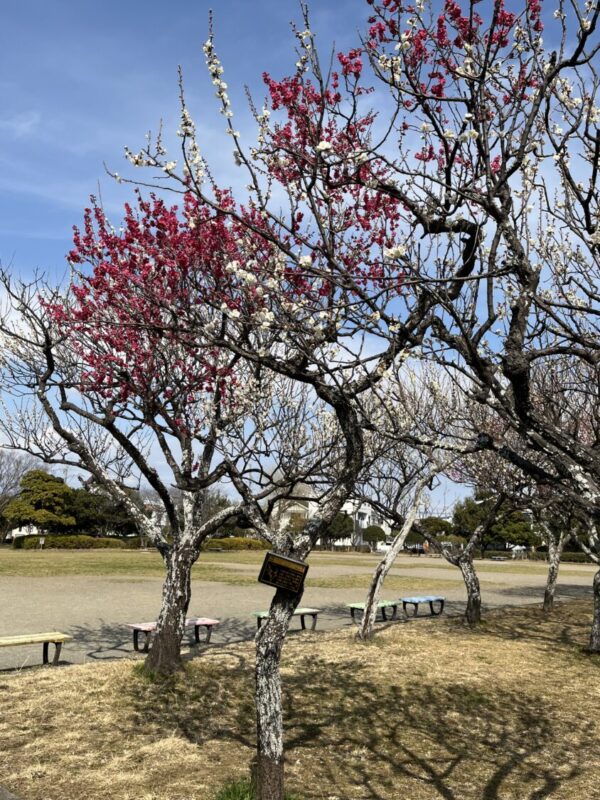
(95, 609)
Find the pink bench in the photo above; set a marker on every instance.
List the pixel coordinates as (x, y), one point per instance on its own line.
(149, 627)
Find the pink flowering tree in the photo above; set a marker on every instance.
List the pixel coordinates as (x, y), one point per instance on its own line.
(129, 366)
(125, 375)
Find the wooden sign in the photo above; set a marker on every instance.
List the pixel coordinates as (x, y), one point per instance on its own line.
(283, 572)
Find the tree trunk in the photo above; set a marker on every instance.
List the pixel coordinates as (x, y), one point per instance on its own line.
(555, 549)
(269, 712)
(595, 634)
(367, 622)
(473, 611)
(164, 658)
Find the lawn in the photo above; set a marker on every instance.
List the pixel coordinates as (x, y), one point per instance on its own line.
(429, 711)
(234, 568)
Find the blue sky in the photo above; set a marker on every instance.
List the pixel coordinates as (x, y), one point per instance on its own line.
(79, 80)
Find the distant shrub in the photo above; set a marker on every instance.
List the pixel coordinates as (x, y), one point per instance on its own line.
(453, 539)
(133, 542)
(577, 558)
(68, 542)
(538, 555)
(236, 543)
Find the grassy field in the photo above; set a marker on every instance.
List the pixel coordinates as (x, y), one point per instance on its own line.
(428, 711)
(240, 568)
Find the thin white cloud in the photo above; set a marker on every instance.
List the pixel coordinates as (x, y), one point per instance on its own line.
(21, 125)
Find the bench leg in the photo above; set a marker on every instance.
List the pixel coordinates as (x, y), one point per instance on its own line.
(302, 622)
(436, 613)
(352, 610)
(136, 641)
(57, 649)
(314, 622)
(415, 608)
(197, 633)
(384, 613)
(258, 622)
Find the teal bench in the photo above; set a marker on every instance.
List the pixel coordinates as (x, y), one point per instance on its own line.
(299, 612)
(416, 601)
(382, 606)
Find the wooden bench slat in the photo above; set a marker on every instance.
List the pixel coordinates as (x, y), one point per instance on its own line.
(34, 638)
(151, 626)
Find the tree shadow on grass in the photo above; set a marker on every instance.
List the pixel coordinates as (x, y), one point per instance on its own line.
(356, 736)
(452, 742)
(565, 626)
(213, 700)
(575, 591)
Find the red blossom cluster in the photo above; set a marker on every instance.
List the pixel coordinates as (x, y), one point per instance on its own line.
(315, 144)
(351, 62)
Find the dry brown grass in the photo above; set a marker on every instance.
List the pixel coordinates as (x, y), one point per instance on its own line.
(429, 711)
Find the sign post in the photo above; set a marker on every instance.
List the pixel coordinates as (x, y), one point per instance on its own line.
(283, 572)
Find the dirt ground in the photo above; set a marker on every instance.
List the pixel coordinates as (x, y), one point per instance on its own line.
(95, 609)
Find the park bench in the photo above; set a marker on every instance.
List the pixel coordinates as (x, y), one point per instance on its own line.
(499, 558)
(52, 637)
(148, 628)
(415, 601)
(299, 612)
(382, 606)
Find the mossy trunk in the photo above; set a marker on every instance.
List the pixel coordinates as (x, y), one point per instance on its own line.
(269, 711)
(164, 658)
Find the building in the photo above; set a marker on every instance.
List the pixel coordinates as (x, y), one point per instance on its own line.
(361, 513)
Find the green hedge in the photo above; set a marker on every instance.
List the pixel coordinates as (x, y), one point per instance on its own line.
(134, 543)
(574, 558)
(236, 543)
(68, 542)
(567, 557)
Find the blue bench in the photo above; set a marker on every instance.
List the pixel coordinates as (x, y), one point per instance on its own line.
(415, 601)
(382, 606)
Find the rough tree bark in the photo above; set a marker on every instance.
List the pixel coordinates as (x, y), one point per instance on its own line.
(367, 622)
(473, 610)
(464, 561)
(164, 658)
(592, 549)
(555, 549)
(269, 714)
(595, 632)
